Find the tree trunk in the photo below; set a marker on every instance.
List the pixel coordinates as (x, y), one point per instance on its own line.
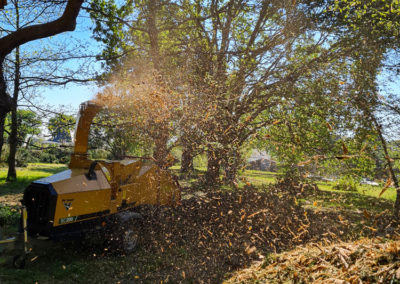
(12, 174)
(28, 142)
(5, 99)
(187, 160)
(161, 148)
(2, 121)
(213, 167)
(391, 170)
(231, 164)
(231, 169)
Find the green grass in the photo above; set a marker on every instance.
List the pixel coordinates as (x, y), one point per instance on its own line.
(258, 178)
(366, 197)
(26, 175)
(50, 264)
(368, 190)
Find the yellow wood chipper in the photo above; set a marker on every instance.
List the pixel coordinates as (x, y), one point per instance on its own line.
(91, 194)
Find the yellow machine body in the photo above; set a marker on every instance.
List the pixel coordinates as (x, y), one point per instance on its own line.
(90, 190)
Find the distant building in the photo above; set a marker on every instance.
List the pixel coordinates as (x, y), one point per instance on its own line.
(261, 161)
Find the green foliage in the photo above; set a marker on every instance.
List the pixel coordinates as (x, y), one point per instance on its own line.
(50, 154)
(346, 183)
(60, 127)
(112, 138)
(28, 123)
(109, 30)
(9, 215)
(98, 154)
(23, 157)
(294, 95)
(200, 161)
(378, 19)
(54, 155)
(320, 126)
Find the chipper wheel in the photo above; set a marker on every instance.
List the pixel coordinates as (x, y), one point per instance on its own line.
(129, 241)
(19, 261)
(125, 234)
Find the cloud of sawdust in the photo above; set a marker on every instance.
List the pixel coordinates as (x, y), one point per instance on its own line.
(141, 94)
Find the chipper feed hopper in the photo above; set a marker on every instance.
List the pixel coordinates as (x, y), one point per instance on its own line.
(90, 193)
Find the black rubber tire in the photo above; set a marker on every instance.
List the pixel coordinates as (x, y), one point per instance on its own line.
(129, 241)
(125, 237)
(19, 261)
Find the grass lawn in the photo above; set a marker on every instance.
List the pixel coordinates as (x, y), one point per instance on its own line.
(26, 175)
(258, 178)
(369, 190)
(365, 198)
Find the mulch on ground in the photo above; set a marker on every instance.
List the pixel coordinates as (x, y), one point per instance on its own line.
(365, 261)
(223, 231)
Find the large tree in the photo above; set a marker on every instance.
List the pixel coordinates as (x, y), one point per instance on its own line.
(246, 64)
(143, 52)
(234, 59)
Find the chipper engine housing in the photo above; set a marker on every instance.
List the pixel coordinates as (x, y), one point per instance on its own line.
(75, 200)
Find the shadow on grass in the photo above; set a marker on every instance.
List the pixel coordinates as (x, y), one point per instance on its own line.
(14, 187)
(249, 173)
(350, 200)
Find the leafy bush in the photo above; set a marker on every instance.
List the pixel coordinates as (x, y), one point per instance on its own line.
(98, 154)
(346, 183)
(55, 155)
(48, 155)
(9, 215)
(24, 156)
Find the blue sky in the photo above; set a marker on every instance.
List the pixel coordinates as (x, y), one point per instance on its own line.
(53, 97)
(74, 94)
(71, 95)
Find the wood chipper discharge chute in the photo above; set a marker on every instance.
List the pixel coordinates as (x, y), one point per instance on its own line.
(67, 203)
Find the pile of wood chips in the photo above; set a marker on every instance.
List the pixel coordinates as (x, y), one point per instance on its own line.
(374, 260)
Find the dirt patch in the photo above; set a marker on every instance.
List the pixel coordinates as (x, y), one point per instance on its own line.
(11, 199)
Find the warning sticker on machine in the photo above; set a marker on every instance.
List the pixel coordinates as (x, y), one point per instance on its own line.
(67, 203)
(67, 220)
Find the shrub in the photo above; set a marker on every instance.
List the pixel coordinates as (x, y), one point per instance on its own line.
(346, 183)
(9, 215)
(24, 156)
(54, 155)
(98, 154)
